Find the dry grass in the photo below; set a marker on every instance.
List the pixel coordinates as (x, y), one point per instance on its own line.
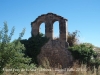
(68, 71)
(75, 70)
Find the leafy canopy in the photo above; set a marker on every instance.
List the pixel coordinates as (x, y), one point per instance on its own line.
(12, 53)
(84, 53)
(33, 46)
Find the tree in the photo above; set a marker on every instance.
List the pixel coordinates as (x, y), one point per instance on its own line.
(72, 38)
(12, 53)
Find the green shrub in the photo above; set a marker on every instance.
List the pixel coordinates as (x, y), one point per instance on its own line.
(33, 46)
(83, 53)
(11, 53)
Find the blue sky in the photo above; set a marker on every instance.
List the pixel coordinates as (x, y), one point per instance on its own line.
(82, 15)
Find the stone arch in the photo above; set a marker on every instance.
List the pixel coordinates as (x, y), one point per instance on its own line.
(36, 24)
(49, 19)
(56, 30)
(42, 28)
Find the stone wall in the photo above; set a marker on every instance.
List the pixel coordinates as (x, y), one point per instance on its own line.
(49, 19)
(55, 50)
(56, 53)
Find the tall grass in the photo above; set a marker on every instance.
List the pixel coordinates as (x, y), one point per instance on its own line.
(45, 69)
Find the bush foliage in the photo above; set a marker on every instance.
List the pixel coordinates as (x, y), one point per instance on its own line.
(72, 38)
(33, 46)
(85, 54)
(12, 53)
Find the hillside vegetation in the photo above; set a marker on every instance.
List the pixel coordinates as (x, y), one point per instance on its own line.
(22, 54)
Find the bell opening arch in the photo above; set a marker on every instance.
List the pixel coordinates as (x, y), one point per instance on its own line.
(49, 20)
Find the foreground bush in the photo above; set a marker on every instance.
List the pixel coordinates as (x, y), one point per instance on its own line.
(11, 53)
(85, 54)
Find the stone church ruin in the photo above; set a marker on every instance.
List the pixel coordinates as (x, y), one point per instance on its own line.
(49, 19)
(55, 50)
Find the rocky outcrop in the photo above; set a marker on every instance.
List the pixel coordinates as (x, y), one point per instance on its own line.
(56, 53)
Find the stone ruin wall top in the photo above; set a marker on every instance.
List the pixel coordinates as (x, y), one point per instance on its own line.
(49, 19)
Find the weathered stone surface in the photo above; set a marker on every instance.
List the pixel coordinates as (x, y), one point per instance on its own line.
(56, 53)
(49, 19)
(56, 49)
